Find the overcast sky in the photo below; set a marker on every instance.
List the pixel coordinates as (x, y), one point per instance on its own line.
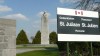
(27, 13)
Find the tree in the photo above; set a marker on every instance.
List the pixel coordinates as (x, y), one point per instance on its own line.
(22, 38)
(37, 39)
(93, 5)
(53, 38)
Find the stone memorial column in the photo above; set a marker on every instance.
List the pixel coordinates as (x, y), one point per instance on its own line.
(44, 29)
(7, 37)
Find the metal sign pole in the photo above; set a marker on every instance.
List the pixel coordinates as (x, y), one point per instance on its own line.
(91, 49)
(67, 48)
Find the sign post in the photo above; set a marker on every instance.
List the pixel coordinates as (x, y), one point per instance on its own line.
(91, 49)
(77, 25)
(67, 48)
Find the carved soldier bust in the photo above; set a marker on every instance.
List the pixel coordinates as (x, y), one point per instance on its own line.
(45, 16)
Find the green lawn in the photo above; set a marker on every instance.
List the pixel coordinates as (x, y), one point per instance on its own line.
(40, 53)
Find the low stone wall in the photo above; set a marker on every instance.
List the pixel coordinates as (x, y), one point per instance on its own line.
(7, 37)
(37, 45)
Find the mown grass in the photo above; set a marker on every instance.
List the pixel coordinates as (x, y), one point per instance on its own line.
(40, 53)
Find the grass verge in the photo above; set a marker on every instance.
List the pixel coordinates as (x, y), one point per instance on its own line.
(40, 53)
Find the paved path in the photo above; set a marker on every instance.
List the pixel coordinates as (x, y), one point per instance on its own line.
(26, 50)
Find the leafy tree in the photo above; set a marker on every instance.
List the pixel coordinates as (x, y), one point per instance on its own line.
(53, 38)
(89, 5)
(37, 39)
(93, 5)
(22, 38)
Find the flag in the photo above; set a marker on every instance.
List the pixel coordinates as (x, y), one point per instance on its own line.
(78, 12)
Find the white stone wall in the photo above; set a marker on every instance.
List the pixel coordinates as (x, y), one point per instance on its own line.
(44, 29)
(7, 37)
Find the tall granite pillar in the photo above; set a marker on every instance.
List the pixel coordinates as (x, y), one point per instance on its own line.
(7, 37)
(44, 29)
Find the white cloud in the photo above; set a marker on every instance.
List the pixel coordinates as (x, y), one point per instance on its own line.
(67, 1)
(36, 24)
(52, 24)
(40, 14)
(18, 16)
(53, 21)
(62, 1)
(1, 1)
(5, 8)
